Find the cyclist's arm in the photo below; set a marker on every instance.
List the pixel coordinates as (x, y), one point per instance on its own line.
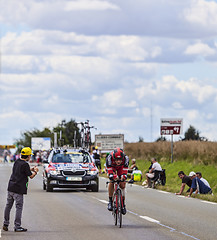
(125, 168)
(109, 167)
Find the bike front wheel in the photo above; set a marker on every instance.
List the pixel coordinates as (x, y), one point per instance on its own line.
(119, 208)
(114, 213)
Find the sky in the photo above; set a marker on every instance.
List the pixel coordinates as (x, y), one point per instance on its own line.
(122, 64)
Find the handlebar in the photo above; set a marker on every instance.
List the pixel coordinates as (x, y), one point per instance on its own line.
(118, 181)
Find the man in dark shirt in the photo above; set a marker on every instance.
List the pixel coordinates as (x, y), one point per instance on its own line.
(17, 187)
(185, 180)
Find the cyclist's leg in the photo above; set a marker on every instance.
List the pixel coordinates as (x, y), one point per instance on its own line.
(123, 186)
(110, 193)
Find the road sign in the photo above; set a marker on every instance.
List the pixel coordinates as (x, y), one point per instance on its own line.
(107, 142)
(171, 126)
(40, 143)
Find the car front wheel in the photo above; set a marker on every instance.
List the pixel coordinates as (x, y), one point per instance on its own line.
(95, 188)
(44, 186)
(49, 188)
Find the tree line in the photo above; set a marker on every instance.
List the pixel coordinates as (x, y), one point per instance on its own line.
(69, 131)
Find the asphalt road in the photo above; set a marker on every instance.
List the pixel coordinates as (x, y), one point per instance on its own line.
(77, 214)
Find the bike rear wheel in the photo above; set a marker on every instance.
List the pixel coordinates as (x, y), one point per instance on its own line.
(119, 208)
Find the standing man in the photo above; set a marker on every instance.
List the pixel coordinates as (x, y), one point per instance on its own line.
(185, 180)
(17, 187)
(5, 154)
(97, 160)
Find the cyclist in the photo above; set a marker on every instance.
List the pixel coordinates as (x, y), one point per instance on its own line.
(117, 165)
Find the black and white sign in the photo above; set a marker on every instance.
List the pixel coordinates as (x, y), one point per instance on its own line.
(107, 142)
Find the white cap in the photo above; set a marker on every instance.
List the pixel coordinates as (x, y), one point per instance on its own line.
(191, 174)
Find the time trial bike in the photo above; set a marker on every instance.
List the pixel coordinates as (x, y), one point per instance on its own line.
(117, 202)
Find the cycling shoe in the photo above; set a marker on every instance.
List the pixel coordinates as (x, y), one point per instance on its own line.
(110, 208)
(124, 210)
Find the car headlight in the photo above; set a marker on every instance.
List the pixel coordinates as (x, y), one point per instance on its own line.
(92, 172)
(54, 172)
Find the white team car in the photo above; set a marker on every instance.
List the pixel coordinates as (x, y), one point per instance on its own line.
(70, 169)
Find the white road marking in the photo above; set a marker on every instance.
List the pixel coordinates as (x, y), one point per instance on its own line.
(133, 213)
(149, 219)
(189, 236)
(209, 202)
(163, 191)
(103, 201)
(171, 229)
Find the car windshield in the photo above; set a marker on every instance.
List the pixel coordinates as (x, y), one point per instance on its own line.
(71, 158)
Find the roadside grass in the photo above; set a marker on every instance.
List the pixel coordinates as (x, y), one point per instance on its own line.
(173, 182)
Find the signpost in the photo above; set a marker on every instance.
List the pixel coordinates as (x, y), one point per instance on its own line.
(107, 142)
(171, 126)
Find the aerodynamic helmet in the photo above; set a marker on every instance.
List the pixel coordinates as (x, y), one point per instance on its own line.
(118, 154)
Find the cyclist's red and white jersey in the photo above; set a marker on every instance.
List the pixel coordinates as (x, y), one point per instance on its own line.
(113, 168)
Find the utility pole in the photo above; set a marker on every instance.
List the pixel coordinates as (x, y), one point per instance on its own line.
(151, 116)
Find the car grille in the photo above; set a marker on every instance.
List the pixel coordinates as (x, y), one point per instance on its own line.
(71, 173)
(74, 182)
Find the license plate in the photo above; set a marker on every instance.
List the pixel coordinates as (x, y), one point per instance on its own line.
(74, 178)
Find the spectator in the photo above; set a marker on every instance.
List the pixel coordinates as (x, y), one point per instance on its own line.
(199, 175)
(38, 158)
(44, 155)
(17, 187)
(133, 166)
(185, 180)
(136, 174)
(197, 184)
(97, 160)
(145, 182)
(151, 174)
(5, 155)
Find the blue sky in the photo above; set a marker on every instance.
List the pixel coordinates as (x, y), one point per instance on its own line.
(114, 62)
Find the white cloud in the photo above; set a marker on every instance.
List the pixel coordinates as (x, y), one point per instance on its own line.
(200, 49)
(89, 5)
(126, 17)
(202, 13)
